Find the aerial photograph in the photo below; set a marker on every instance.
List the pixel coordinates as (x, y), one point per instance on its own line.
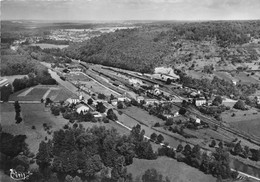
(130, 91)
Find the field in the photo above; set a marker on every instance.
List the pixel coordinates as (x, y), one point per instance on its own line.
(247, 121)
(50, 46)
(55, 93)
(143, 115)
(244, 78)
(224, 75)
(131, 122)
(33, 115)
(36, 115)
(176, 171)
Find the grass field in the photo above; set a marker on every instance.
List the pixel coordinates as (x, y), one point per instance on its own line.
(224, 75)
(143, 115)
(247, 121)
(33, 115)
(36, 115)
(131, 122)
(245, 79)
(176, 171)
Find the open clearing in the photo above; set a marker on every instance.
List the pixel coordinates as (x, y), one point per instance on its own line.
(176, 171)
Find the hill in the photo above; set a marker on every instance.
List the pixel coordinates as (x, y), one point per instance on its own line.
(150, 45)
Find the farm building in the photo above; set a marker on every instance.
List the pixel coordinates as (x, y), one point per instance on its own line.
(81, 108)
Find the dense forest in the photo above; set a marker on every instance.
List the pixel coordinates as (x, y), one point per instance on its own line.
(146, 47)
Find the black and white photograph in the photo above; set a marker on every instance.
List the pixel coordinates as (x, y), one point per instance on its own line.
(130, 91)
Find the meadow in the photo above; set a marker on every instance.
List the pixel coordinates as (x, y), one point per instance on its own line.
(247, 121)
(176, 171)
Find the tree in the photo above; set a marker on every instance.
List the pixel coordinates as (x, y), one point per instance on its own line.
(187, 150)
(43, 157)
(196, 151)
(151, 175)
(92, 165)
(246, 151)
(238, 149)
(17, 106)
(101, 96)
(100, 107)
(160, 138)
(205, 163)
(168, 81)
(112, 97)
(179, 148)
(68, 178)
(169, 122)
(213, 143)
(48, 101)
(88, 116)
(182, 111)
(5, 92)
(220, 144)
(153, 136)
(217, 101)
(90, 101)
(240, 105)
(111, 115)
(120, 105)
(18, 120)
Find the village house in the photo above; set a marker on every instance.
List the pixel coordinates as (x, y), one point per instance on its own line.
(98, 115)
(70, 101)
(151, 101)
(122, 99)
(114, 102)
(81, 108)
(134, 81)
(139, 99)
(194, 119)
(200, 101)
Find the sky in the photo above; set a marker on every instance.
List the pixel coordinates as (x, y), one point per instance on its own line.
(130, 9)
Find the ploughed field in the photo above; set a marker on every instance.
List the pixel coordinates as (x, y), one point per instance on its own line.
(55, 93)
